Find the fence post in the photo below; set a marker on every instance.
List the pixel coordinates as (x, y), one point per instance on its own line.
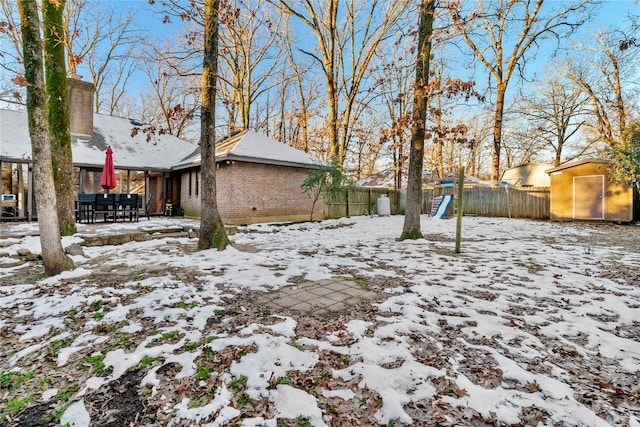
(347, 191)
(459, 219)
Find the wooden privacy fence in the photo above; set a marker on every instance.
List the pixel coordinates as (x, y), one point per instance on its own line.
(354, 201)
(514, 202)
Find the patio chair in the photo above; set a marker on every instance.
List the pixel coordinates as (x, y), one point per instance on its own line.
(105, 205)
(84, 207)
(128, 204)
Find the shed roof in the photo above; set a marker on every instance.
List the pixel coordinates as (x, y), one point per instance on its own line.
(253, 147)
(575, 163)
(162, 152)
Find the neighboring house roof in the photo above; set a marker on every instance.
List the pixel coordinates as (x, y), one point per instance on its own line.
(386, 179)
(162, 152)
(469, 180)
(383, 179)
(253, 147)
(576, 163)
(528, 174)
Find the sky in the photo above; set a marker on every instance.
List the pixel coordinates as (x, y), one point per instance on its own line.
(531, 320)
(149, 19)
(613, 12)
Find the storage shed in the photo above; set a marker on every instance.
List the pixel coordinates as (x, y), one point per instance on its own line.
(583, 190)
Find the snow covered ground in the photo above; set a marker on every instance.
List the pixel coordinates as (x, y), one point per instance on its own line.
(534, 323)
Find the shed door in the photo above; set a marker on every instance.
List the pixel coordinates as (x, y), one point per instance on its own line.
(588, 197)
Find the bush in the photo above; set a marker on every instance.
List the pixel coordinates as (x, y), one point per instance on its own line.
(625, 157)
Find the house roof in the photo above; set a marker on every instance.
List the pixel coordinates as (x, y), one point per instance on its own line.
(530, 166)
(253, 147)
(527, 174)
(576, 163)
(385, 179)
(162, 152)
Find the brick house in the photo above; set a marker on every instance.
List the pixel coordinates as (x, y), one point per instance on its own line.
(257, 178)
(142, 167)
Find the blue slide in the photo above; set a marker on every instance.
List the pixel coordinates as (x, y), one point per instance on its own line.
(443, 206)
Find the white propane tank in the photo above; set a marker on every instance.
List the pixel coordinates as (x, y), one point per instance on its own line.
(383, 205)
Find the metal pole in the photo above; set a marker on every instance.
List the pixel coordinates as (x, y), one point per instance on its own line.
(459, 206)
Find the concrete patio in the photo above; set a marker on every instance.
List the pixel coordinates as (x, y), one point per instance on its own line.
(319, 298)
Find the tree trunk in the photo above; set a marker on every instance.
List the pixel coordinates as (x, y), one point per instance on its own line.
(345, 130)
(558, 158)
(245, 89)
(53, 255)
(332, 95)
(332, 88)
(303, 117)
(411, 228)
(282, 132)
(58, 114)
(439, 140)
(400, 161)
(304, 125)
(212, 233)
(497, 133)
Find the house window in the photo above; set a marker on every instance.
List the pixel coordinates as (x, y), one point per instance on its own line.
(15, 190)
(137, 182)
(190, 177)
(197, 183)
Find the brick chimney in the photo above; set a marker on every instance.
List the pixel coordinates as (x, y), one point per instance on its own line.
(80, 96)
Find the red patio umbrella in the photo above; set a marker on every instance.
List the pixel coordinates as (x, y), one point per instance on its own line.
(108, 180)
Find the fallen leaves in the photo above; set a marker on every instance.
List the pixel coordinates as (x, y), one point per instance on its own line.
(20, 81)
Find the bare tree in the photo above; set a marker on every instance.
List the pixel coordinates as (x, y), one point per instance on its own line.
(344, 53)
(445, 131)
(478, 154)
(304, 88)
(393, 77)
(605, 74)
(212, 234)
(96, 36)
(367, 142)
(11, 58)
(413, 210)
(53, 256)
(556, 109)
(521, 143)
(102, 39)
(504, 34)
(172, 101)
(250, 58)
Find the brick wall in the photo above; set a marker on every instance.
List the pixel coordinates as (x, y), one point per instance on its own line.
(252, 192)
(80, 94)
